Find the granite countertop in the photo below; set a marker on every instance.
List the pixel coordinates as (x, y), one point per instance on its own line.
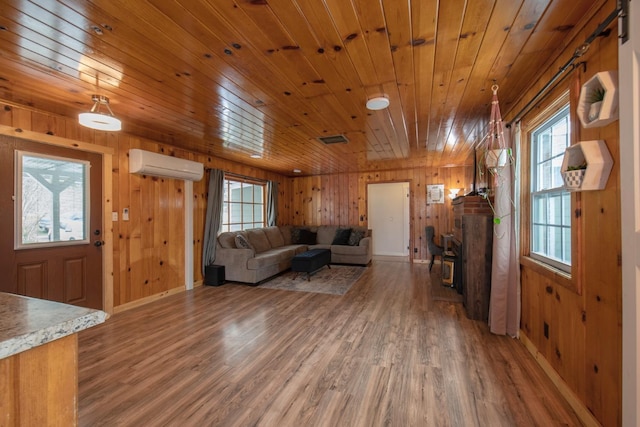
(26, 322)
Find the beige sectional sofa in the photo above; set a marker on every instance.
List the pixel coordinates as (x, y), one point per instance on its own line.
(252, 256)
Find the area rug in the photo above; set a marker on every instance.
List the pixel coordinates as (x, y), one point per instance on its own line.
(336, 280)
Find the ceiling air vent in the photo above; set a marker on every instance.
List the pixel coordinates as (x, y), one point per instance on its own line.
(334, 139)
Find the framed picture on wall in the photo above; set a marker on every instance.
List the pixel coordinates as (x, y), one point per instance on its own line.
(435, 193)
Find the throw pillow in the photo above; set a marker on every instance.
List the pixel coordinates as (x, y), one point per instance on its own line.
(295, 235)
(342, 236)
(355, 237)
(307, 237)
(242, 242)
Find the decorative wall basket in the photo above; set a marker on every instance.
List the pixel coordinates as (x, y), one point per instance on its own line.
(602, 112)
(592, 160)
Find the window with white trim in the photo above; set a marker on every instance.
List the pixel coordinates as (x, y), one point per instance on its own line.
(243, 205)
(550, 202)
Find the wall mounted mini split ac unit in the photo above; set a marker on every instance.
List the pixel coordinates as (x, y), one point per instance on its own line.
(147, 163)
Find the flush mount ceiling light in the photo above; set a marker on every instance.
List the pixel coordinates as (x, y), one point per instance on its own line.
(378, 103)
(100, 120)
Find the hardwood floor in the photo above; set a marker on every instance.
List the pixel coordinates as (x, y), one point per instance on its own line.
(383, 354)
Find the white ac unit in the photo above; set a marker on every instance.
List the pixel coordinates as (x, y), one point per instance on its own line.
(147, 163)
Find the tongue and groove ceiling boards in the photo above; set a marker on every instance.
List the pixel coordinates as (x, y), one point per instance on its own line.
(268, 78)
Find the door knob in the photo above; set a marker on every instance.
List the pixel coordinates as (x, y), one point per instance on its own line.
(98, 243)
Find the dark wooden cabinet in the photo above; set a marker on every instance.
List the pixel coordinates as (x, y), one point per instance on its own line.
(473, 230)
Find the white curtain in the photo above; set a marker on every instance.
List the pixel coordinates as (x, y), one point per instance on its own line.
(504, 306)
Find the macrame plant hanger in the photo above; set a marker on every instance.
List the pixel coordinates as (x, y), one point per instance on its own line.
(497, 155)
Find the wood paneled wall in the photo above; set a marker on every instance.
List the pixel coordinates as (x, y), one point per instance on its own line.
(584, 344)
(341, 199)
(148, 250)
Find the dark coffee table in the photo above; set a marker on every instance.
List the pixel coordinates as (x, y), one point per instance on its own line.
(310, 261)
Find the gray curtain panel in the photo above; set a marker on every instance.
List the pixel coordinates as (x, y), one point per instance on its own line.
(272, 203)
(214, 216)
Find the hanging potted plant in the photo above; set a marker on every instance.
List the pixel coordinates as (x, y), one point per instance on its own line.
(595, 102)
(497, 160)
(496, 154)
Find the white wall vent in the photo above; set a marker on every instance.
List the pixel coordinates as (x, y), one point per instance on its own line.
(148, 163)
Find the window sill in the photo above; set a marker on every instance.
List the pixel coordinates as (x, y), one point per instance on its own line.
(555, 275)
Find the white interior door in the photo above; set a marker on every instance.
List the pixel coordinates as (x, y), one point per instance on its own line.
(388, 206)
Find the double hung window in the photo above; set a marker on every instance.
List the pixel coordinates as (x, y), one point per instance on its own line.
(550, 202)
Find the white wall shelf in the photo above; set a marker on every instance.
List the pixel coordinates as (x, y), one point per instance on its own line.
(608, 112)
(599, 163)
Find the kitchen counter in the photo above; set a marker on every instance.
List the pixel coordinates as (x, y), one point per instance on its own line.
(39, 360)
(26, 322)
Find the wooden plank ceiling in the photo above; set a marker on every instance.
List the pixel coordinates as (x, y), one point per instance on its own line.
(267, 77)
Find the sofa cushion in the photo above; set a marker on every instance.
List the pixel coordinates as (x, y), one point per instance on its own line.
(326, 234)
(274, 236)
(258, 239)
(272, 257)
(355, 236)
(307, 237)
(242, 242)
(342, 236)
(349, 250)
(285, 230)
(227, 240)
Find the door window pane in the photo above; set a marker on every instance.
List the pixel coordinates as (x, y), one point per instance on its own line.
(52, 197)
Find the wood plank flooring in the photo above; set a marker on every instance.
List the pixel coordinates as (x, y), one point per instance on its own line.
(383, 354)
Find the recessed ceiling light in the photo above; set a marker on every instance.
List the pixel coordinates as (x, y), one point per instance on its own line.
(297, 171)
(256, 156)
(378, 103)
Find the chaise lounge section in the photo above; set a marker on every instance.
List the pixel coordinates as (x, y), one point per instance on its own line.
(251, 256)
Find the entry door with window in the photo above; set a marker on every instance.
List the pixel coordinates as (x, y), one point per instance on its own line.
(51, 222)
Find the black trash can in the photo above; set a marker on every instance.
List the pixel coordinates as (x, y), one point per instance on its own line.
(214, 275)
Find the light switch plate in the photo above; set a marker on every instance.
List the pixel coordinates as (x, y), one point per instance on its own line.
(125, 214)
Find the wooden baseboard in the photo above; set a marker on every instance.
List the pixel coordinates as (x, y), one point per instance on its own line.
(147, 300)
(581, 411)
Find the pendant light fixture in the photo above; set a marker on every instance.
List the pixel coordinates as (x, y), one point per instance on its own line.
(100, 120)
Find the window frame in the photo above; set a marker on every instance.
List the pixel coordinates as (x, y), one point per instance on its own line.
(558, 191)
(225, 222)
(557, 100)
